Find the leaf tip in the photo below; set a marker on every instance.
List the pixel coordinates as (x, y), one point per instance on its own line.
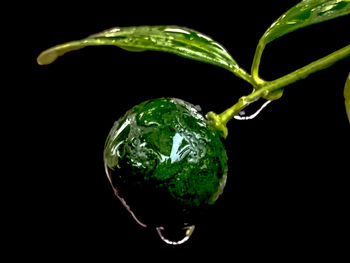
(46, 57)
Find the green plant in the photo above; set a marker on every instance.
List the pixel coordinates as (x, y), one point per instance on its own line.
(152, 166)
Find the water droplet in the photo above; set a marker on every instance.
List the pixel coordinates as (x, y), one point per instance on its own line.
(241, 114)
(175, 236)
(153, 40)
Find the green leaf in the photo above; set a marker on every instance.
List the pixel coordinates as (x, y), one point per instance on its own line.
(306, 13)
(181, 41)
(347, 96)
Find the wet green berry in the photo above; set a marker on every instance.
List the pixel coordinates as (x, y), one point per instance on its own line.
(165, 162)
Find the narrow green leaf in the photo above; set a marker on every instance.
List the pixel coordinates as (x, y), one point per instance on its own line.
(347, 96)
(306, 13)
(181, 41)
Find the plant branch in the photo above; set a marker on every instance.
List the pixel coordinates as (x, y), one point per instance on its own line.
(256, 62)
(241, 73)
(264, 88)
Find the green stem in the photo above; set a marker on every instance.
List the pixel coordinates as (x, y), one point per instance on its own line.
(243, 75)
(256, 62)
(264, 88)
(305, 71)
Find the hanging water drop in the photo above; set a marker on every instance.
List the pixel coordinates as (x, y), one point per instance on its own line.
(175, 236)
(241, 114)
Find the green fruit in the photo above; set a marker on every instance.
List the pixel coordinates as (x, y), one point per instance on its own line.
(165, 163)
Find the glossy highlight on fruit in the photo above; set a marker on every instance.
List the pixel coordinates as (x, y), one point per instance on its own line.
(165, 163)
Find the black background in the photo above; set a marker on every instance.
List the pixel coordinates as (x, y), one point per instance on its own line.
(286, 190)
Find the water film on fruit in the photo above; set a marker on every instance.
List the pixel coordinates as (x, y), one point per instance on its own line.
(166, 165)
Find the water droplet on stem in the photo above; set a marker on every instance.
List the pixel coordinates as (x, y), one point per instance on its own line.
(242, 114)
